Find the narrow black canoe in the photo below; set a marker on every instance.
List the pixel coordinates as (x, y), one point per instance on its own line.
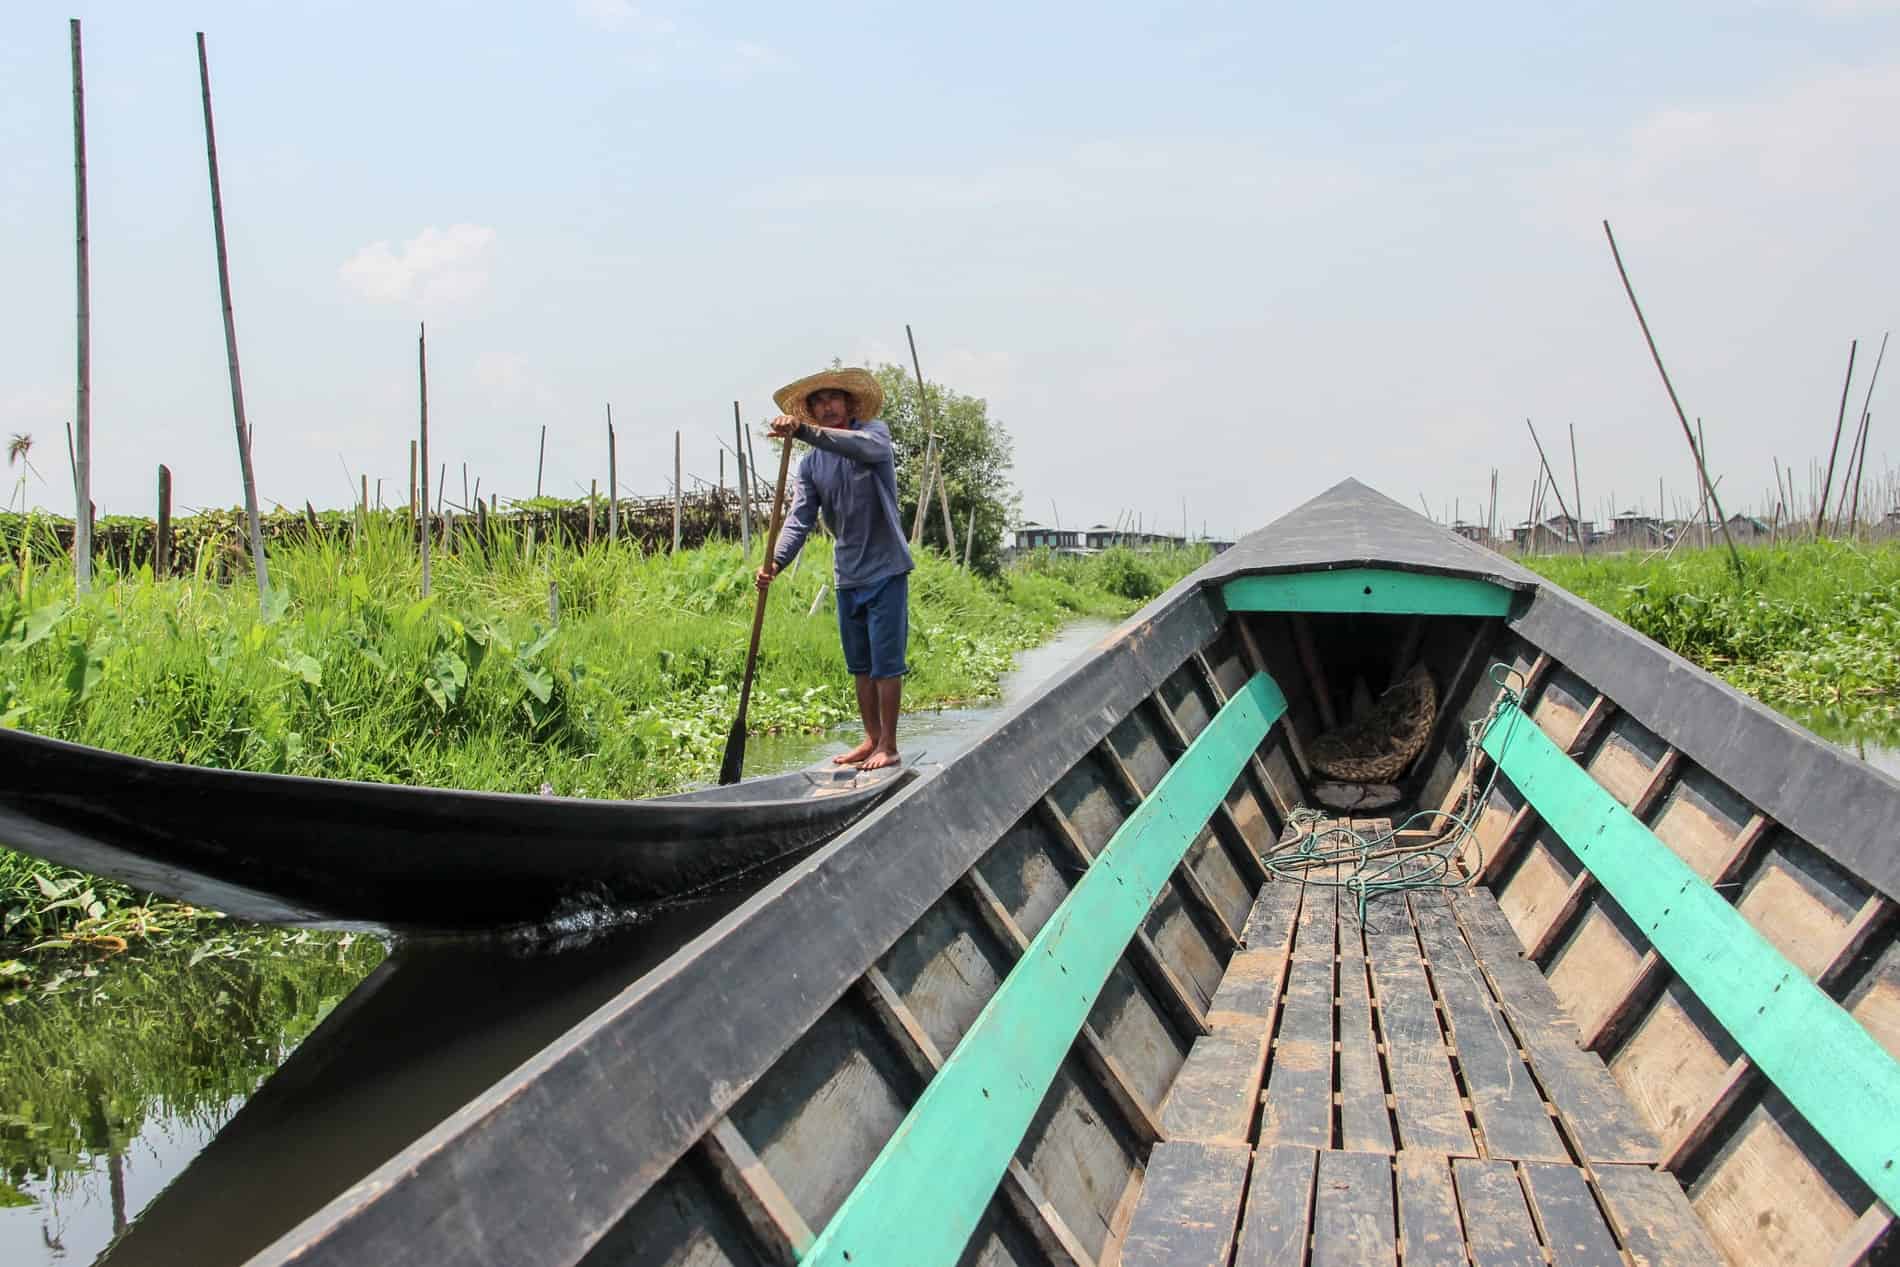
(288, 850)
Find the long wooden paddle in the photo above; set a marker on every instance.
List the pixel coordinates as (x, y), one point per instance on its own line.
(735, 738)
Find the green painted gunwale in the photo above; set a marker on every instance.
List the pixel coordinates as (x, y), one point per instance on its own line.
(923, 1196)
(1830, 1068)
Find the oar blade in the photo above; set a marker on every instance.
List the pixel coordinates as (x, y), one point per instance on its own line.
(734, 762)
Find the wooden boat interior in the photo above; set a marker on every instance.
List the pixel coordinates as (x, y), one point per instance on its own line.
(1074, 999)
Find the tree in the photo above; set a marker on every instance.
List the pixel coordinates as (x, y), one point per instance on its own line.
(977, 455)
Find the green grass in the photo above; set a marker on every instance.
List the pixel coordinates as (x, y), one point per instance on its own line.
(1814, 631)
(348, 674)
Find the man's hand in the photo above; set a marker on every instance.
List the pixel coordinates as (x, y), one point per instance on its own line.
(782, 426)
(765, 576)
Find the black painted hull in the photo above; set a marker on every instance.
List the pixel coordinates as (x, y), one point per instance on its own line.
(291, 850)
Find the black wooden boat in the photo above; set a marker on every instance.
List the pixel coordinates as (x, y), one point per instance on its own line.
(289, 850)
(1101, 991)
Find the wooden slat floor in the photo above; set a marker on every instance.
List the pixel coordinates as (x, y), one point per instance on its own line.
(1408, 1092)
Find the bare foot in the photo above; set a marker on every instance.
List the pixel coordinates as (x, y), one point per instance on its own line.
(880, 758)
(857, 754)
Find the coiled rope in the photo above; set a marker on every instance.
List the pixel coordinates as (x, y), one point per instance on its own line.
(1380, 862)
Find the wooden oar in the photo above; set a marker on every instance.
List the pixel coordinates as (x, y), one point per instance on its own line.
(735, 739)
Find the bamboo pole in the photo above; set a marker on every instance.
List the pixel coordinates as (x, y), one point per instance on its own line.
(1702, 457)
(752, 474)
(1866, 421)
(1576, 490)
(943, 502)
(1827, 485)
(1735, 556)
(258, 561)
(745, 489)
(162, 544)
(422, 390)
(82, 460)
(593, 501)
(613, 479)
(1575, 524)
(541, 460)
(969, 535)
(679, 491)
(930, 444)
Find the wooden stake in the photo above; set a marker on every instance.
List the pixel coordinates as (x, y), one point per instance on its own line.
(1735, 556)
(943, 502)
(1853, 514)
(541, 460)
(1866, 420)
(930, 444)
(1827, 484)
(1575, 524)
(679, 491)
(969, 535)
(1576, 490)
(162, 545)
(613, 479)
(422, 389)
(230, 335)
(752, 474)
(745, 488)
(1702, 457)
(82, 460)
(593, 498)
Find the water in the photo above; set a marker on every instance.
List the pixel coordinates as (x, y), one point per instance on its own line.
(148, 1124)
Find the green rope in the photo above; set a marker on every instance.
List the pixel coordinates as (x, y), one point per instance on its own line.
(1381, 864)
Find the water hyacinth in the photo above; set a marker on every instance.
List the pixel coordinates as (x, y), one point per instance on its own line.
(346, 673)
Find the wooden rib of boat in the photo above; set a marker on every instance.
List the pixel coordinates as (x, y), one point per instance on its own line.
(1071, 999)
(287, 850)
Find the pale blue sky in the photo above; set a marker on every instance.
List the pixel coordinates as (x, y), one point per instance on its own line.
(1221, 253)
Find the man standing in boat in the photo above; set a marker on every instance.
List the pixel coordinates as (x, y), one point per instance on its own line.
(851, 475)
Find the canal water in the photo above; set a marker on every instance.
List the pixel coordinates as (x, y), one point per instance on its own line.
(196, 1102)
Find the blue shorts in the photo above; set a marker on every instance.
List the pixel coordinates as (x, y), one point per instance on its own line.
(874, 624)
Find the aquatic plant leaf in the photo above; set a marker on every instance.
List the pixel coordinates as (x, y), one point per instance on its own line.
(542, 638)
(309, 668)
(538, 681)
(41, 622)
(83, 670)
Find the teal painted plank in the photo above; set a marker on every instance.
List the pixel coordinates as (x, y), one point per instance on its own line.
(1372, 591)
(1832, 1071)
(922, 1197)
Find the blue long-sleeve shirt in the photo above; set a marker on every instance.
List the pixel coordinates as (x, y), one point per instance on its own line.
(851, 475)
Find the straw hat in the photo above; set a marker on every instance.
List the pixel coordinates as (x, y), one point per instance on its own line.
(867, 397)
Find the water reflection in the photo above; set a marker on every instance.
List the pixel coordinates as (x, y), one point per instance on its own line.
(106, 1087)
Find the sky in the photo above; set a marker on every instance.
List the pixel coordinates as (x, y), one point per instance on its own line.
(1201, 261)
